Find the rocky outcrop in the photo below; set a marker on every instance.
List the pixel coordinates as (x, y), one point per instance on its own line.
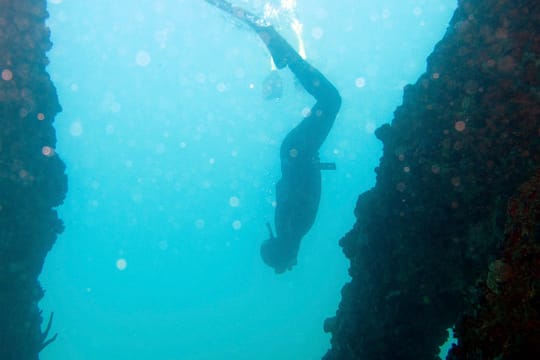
(32, 178)
(430, 236)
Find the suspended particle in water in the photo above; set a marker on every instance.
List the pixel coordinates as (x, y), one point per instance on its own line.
(121, 264)
(40, 116)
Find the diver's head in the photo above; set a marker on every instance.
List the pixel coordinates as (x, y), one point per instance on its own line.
(276, 256)
(277, 253)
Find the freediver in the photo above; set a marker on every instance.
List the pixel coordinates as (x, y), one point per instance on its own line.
(298, 191)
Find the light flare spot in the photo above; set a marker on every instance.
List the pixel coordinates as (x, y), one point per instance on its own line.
(199, 224)
(76, 129)
(234, 201)
(23, 174)
(306, 112)
(143, 58)
(360, 82)
(115, 107)
(109, 129)
(237, 225)
(221, 87)
(239, 72)
(7, 75)
(460, 125)
(293, 153)
(121, 264)
(47, 151)
(370, 127)
(317, 33)
(160, 148)
(200, 78)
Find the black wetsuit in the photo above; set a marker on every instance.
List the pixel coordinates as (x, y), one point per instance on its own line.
(299, 189)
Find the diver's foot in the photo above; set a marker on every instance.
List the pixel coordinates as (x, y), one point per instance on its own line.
(279, 48)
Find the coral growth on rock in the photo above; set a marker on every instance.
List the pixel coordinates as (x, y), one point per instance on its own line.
(32, 179)
(466, 136)
(503, 319)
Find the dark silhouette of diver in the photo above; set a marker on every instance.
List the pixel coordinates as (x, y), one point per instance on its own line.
(299, 190)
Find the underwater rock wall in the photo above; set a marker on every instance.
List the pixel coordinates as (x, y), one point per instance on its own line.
(429, 249)
(32, 178)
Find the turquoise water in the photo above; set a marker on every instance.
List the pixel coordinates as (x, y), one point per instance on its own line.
(172, 158)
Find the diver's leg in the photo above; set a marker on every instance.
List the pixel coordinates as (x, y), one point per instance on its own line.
(312, 131)
(311, 79)
(309, 135)
(316, 84)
